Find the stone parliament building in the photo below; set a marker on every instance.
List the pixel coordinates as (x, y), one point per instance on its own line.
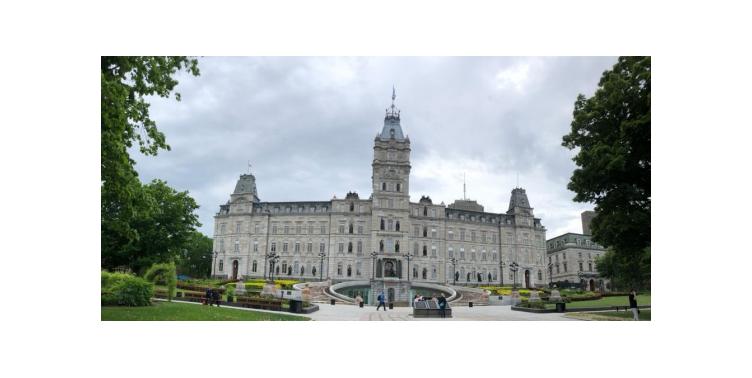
(385, 235)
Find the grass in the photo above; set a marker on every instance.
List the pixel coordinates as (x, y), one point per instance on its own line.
(642, 300)
(609, 315)
(186, 311)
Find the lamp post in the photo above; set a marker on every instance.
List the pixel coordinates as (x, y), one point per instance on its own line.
(454, 270)
(408, 266)
(215, 263)
(321, 268)
(513, 267)
(373, 264)
(272, 259)
(550, 274)
(501, 271)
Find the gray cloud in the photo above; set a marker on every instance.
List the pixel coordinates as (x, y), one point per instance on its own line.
(307, 125)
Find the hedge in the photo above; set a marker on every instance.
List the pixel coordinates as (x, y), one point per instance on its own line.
(121, 289)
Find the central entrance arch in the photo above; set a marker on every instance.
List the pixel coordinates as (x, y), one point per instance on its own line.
(235, 269)
(527, 279)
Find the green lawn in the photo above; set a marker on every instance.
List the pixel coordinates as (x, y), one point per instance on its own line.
(642, 300)
(609, 315)
(186, 311)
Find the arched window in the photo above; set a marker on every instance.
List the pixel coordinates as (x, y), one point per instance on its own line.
(221, 265)
(425, 250)
(289, 270)
(284, 265)
(349, 270)
(415, 272)
(396, 246)
(396, 226)
(381, 246)
(349, 247)
(425, 231)
(425, 273)
(382, 224)
(468, 277)
(254, 267)
(489, 276)
(339, 269)
(302, 270)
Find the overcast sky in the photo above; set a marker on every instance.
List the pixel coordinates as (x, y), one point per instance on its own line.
(307, 125)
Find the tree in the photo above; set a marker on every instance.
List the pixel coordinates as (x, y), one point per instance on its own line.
(611, 129)
(196, 259)
(125, 120)
(165, 222)
(625, 271)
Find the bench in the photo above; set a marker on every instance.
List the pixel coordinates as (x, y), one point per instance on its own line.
(430, 309)
(260, 303)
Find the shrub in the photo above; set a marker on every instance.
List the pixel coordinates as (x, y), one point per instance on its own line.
(125, 290)
(165, 274)
(539, 305)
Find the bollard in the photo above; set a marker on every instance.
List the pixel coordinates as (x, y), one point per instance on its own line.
(391, 305)
(469, 304)
(332, 302)
(361, 304)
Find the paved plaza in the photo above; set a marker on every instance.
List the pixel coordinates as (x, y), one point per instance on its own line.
(350, 312)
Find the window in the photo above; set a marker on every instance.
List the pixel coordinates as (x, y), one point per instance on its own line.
(323, 229)
(274, 229)
(565, 267)
(382, 224)
(390, 225)
(472, 235)
(494, 256)
(360, 229)
(425, 211)
(310, 229)
(540, 275)
(284, 266)
(425, 250)
(309, 248)
(433, 251)
(450, 235)
(425, 231)
(350, 228)
(341, 228)
(590, 267)
(221, 265)
(396, 246)
(255, 246)
(451, 252)
(398, 187)
(284, 247)
(322, 247)
(417, 231)
(256, 228)
(396, 226)
(237, 227)
(383, 186)
(433, 272)
(433, 213)
(462, 253)
(358, 268)
(349, 247)
(360, 247)
(349, 270)
(381, 246)
(341, 247)
(391, 203)
(287, 229)
(462, 234)
(297, 230)
(425, 273)
(433, 233)
(339, 269)
(222, 245)
(580, 266)
(237, 246)
(254, 266)
(274, 247)
(415, 249)
(297, 247)
(352, 207)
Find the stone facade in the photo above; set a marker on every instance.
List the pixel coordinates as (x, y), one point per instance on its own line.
(572, 261)
(384, 235)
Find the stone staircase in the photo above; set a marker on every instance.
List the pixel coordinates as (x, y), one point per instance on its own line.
(467, 295)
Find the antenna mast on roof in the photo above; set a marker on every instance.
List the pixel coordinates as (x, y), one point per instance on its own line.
(249, 167)
(464, 189)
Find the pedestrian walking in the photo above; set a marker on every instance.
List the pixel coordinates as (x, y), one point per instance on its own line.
(633, 304)
(381, 301)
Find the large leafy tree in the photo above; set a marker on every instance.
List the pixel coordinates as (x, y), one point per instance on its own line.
(196, 259)
(611, 131)
(165, 223)
(125, 121)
